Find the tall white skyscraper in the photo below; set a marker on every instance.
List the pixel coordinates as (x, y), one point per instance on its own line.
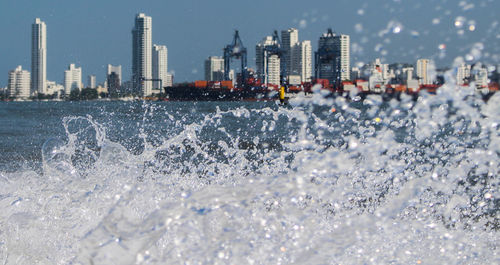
(19, 83)
(289, 40)
(160, 65)
(345, 57)
(142, 48)
(214, 68)
(72, 79)
(39, 56)
(268, 66)
(302, 60)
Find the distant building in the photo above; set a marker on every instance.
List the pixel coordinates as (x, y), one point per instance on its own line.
(289, 41)
(113, 84)
(115, 69)
(408, 73)
(333, 57)
(355, 73)
(481, 78)
(302, 60)
(114, 80)
(214, 68)
(160, 65)
(142, 49)
(39, 57)
(54, 88)
(268, 66)
(19, 83)
(463, 74)
(91, 81)
(425, 71)
(72, 79)
(170, 80)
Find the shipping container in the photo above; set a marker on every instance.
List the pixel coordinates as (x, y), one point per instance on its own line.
(200, 83)
(227, 84)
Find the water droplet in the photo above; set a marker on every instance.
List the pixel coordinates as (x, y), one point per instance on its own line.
(459, 22)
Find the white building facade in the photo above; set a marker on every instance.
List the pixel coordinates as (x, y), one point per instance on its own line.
(425, 72)
(302, 60)
(214, 68)
(72, 79)
(39, 57)
(19, 83)
(463, 74)
(160, 66)
(268, 66)
(142, 48)
(345, 57)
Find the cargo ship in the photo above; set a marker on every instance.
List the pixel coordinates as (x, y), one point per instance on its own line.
(218, 91)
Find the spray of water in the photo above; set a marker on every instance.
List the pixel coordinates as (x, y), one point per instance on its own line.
(323, 181)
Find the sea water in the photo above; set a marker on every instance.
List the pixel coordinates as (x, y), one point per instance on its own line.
(320, 181)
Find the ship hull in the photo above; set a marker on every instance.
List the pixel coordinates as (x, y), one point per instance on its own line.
(188, 93)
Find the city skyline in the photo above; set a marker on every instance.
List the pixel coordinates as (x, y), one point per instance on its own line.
(93, 38)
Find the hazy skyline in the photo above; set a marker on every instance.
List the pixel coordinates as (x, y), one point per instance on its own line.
(92, 33)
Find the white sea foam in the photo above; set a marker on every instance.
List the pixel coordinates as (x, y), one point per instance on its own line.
(320, 183)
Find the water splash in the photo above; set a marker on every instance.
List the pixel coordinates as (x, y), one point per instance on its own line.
(372, 182)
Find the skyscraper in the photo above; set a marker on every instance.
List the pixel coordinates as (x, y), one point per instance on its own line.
(425, 69)
(290, 39)
(268, 66)
(117, 70)
(302, 60)
(38, 57)
(142, 48)
(333, 57)
(113, 78)
(160, 65)
(72, 79)
(19, 83)
(214, 68)
(463, 74)
(91, 83)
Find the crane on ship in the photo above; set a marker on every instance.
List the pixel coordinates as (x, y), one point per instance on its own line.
(238, 51)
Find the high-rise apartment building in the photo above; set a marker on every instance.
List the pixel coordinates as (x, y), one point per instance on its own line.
(160, 65)
(289, 41)
(39, 57)
(19, 83)
(142, 48)
(114, 79)
(481, 77)
(302, 60)
(425, 69)
(92, 81)
(117, 70)
(463, 74)
(333, 59)
(214, 68)
(268, 66)
(72, 79)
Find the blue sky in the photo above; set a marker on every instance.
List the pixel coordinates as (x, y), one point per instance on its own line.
(94, 33)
